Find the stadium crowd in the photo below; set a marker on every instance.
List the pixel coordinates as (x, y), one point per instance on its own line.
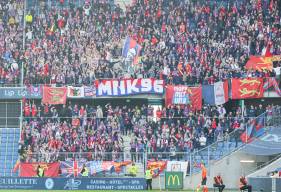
(93, 130)
(183, 42)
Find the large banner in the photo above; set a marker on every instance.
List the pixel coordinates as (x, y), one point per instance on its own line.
(74, 168)
(128, 87)
(54, 95)
(31, 92)
(183, 95)
(216, 94)
(75, 92)
(247, 88)
(34, 183)
(30, 169)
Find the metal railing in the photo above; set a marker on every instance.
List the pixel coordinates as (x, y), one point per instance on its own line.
(233, 141)
(223, 144)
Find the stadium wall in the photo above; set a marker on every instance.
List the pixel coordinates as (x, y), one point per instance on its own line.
(230, 168)
(264, 171)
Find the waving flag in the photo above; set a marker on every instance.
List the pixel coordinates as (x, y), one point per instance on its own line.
(131, 49)
(255, 129)
(259, 129)
(247, 88)
(119, 165)
(259, 63)
(157, 167)
(247, 134)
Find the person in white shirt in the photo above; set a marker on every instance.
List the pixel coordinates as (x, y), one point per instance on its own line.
(202, 141)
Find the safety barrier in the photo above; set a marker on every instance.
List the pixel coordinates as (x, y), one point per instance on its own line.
(35, 183)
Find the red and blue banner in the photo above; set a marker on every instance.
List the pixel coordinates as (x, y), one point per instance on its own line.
(271, 82)
(126, 87)
(254, 130)
(184, 95)
(216, 94)
(131, 49)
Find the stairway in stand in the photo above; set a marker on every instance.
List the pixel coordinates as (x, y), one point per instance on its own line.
(9, 143)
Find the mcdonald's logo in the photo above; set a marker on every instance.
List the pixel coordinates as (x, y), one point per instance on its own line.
(174, 178)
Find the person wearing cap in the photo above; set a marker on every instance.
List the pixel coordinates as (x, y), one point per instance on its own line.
(148, 177)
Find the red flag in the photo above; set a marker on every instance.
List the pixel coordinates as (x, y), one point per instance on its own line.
(247, 88)
(54, 95)
(157, 167)
(30, 169)
(266, 51)
(119, 165)
(259, 63)
(183, 95)
(271, 5)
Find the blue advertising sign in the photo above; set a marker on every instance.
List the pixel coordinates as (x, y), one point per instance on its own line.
(31, 92)
(72, 183)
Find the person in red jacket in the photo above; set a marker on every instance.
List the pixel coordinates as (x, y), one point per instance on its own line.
(26, 109)
(34, 110)
(218, 182)
(243, 184)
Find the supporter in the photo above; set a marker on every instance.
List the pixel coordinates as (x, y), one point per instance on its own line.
(85, 128)
(182, 42)
(11, 27)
